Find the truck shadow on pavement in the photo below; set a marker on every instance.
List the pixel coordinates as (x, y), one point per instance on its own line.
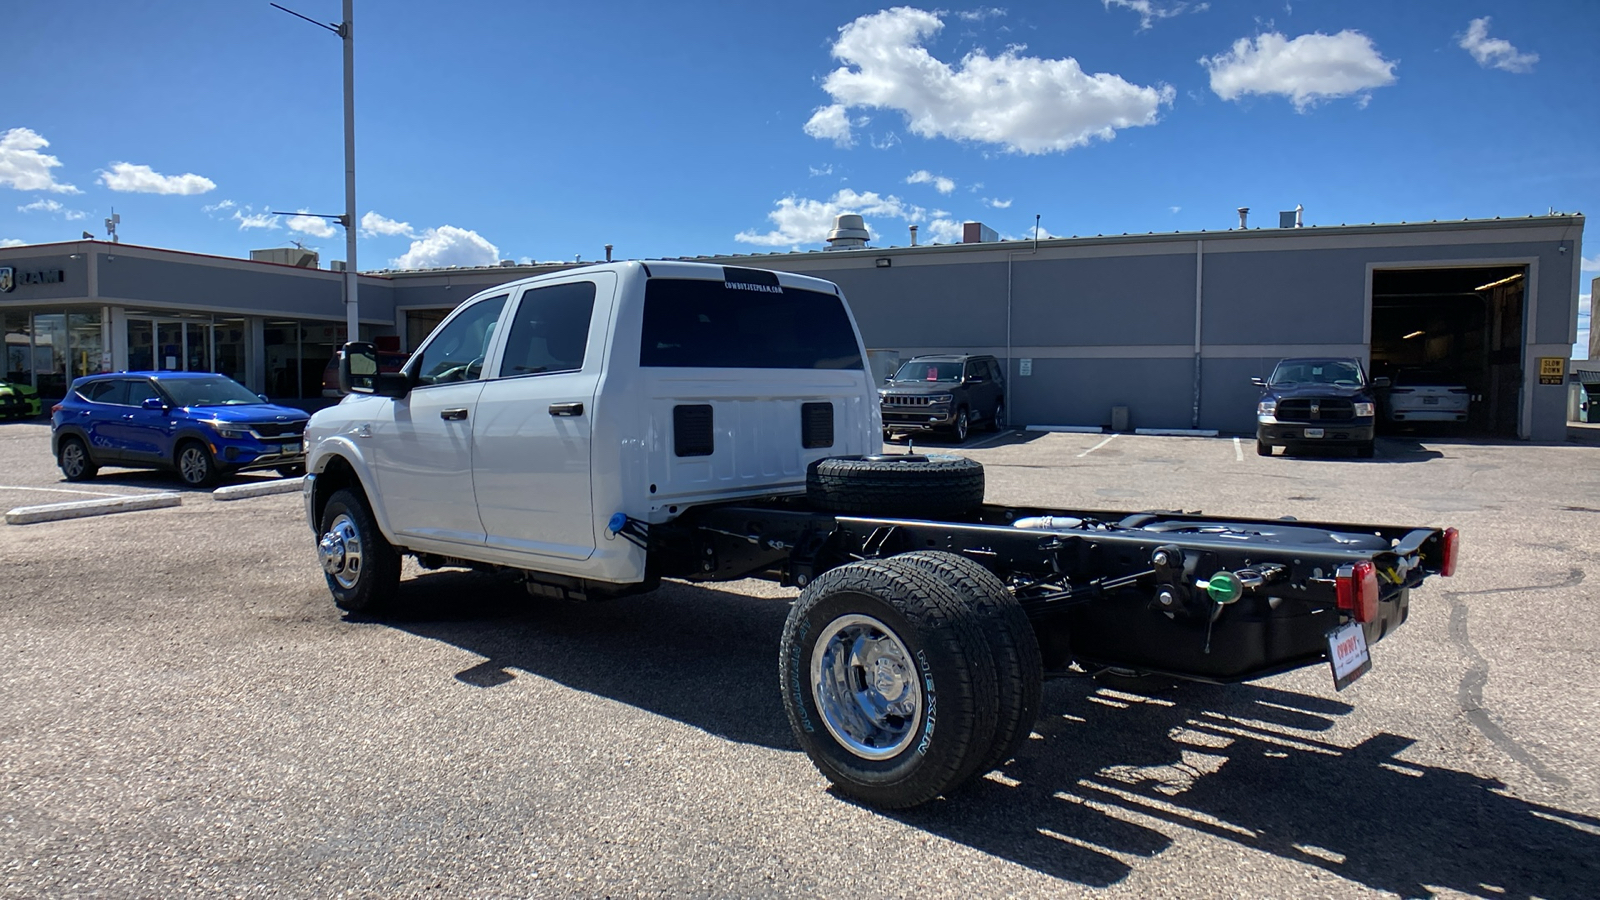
(1109, 775)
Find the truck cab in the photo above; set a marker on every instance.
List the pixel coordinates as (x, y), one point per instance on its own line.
(541, 409)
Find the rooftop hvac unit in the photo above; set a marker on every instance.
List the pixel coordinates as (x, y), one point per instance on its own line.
(286, 256)
(336, 265)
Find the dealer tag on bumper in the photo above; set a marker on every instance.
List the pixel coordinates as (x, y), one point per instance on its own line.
(1347, 654)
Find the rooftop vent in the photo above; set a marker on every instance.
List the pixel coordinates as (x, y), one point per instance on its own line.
(1244, 217)
(507, 263)
(849, 233)
(977, 233)
(1290, 218)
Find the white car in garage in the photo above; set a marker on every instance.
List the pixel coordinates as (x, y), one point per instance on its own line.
(1427, 395)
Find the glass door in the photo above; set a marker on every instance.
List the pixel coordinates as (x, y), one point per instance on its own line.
(169, 345)
(197, 353)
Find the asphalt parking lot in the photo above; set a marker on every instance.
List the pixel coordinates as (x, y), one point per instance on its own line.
(183, 712)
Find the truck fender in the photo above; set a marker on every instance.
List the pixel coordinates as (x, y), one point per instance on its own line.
(339, 447)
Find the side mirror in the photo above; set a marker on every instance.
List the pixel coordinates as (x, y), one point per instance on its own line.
(976, 379)
(358, 373)
(1380, 382)
(155, 403)
(263, 398)
(1259, 382)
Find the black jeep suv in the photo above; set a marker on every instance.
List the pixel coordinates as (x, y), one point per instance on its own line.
(944, 393)
(1316, 401)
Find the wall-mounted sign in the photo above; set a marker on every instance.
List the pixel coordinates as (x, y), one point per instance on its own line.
(1552, 370)
(1025, 367)
(10, 277)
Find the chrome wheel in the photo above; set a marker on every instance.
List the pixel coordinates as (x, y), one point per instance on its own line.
(866, 687)
(963, 424)
(339, 550)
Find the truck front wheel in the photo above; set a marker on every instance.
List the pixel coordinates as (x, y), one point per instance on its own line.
(888, 683)
(360, 565)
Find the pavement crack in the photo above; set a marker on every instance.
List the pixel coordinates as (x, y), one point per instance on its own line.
(1469, 694)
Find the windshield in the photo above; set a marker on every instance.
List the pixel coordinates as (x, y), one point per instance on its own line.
(1318, 371)
(936, 372)
(218, 390)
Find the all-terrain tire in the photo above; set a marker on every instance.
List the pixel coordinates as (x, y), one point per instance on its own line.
(873, 657)
(909, 486)
(1018, 667)
(1263, 449)
(367, 571)
(997, 421)
(963, 425)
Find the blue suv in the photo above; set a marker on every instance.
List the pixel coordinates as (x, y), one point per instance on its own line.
(197, 424)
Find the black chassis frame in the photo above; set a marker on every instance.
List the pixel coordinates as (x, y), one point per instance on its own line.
(1117, 593)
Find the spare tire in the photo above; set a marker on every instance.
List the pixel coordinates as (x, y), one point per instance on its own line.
(909, 486)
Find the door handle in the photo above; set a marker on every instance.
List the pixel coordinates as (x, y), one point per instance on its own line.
(566, 409)
(452, 415)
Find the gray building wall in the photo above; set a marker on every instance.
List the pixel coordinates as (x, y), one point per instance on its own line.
(1111, 321)
(74, 283)
(203, 283)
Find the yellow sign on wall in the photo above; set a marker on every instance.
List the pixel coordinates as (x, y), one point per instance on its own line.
(1552, 370)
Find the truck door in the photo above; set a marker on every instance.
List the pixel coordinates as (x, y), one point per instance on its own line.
(531, 437)
(422, 447)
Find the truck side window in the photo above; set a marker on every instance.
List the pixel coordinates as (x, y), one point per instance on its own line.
(550, 330)
(457, 349)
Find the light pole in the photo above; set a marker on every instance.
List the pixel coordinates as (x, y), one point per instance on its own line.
(346, 31)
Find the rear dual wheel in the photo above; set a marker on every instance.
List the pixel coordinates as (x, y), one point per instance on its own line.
(903, 678)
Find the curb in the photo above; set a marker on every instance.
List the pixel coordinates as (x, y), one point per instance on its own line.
(1178, 432)
(1068, 429)
(77, 509)
(241, 491)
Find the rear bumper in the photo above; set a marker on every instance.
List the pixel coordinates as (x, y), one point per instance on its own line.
(1428, 415)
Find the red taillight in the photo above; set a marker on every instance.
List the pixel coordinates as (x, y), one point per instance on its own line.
(55, 409)
(1452, 552)
(1356, 587)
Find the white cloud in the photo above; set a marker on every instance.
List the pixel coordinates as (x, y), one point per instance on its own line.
(1494, 52)
(999, 204)
(1175, 209)
(373, 225)
(830, 123)
(942, 231)
(218, 207)
(54, 207)
(978, 15)
(1590, 263)
(129, 178)
(940, 183)
(448, 245)
(316, 226)
(825, 170)
(804, 221)
(1580, 349)
(23, 167)
(1024, 104)
(1149, 11)
(1310, 68)
(249, 219)
(11, 242)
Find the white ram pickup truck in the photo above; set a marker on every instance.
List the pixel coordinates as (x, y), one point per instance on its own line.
(596, 430)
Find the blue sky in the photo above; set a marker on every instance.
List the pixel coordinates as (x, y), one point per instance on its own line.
(503, 130)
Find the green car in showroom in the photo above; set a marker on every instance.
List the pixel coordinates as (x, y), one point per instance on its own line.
(18, 401)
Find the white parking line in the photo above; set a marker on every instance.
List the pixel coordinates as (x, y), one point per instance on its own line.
(6, 487)
(1238, 451)
(1097, 446)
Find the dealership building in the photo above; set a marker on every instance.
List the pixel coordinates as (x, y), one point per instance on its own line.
(1152, 330)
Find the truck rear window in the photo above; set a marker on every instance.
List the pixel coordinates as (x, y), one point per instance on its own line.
(747, 321)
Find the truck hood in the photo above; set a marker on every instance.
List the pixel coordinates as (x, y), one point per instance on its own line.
(249, 412)
(1289, 391)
